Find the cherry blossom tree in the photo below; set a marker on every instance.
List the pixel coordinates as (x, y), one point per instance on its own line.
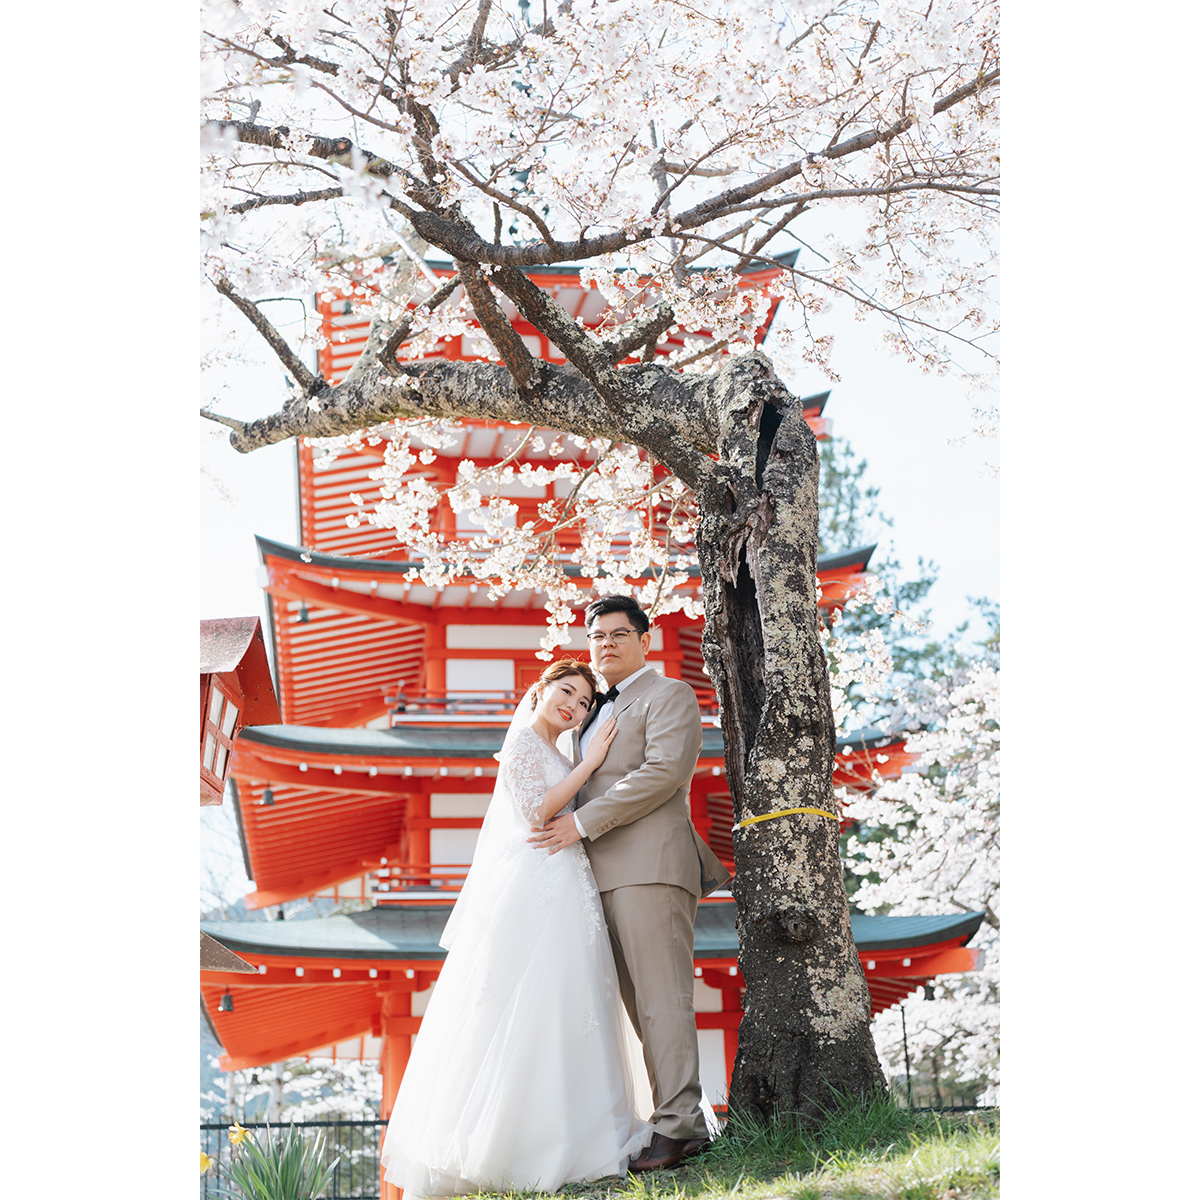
(943, 853)
(664, 149)
(300, 1089)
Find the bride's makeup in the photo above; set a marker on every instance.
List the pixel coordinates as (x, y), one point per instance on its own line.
(563, 703)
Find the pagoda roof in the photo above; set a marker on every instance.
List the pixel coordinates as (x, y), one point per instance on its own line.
(411, 932)
(855, 559)
(321, 982)
(341, 798)
(843, 560)
(348, 631)
(442, 741)
(224, 642)
(345, 317)
(234, 646)
(814, 405)
(215, 957)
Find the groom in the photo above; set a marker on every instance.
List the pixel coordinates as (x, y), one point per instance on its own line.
(650, 864)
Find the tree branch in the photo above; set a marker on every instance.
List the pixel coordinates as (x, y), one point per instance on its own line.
(525, 369)
(887, 189)
(278, 137)
(289, 56)
(463, 243)
(549, 317)
(687, 173)
(667, 413)
(232, 422)
(706, 209)
(637, 333)
(295, 198)
(703, 352)
(511, 201)
(435, 388)
(387, 356)
(310, 384)
(787, 218)
(674, 168)
(470, 56)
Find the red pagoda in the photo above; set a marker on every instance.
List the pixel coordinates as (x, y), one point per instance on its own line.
(395, 697)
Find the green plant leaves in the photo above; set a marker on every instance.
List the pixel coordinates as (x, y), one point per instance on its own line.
(280, 1166)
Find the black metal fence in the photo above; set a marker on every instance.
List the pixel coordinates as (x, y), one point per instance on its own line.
(925, 1100)
(354, 1142)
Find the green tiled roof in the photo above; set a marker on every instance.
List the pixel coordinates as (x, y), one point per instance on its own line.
(411, 931)
(351, 565)
(440, 741)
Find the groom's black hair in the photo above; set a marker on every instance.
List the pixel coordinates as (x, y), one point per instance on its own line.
(612, 604)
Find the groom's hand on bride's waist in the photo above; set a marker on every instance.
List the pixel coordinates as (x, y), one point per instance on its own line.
(555, 835)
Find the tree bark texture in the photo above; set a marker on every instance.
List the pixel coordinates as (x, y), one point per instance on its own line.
(806, 1028)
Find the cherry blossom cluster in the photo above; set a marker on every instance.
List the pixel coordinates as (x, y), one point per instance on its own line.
(621, 118)
(861, 669)
(309, 1089)
(944, 856)
(632, 525)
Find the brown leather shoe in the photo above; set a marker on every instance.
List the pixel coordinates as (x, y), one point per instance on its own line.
(665, 1152)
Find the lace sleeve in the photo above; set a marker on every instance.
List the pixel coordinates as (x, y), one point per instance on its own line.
(523, 773)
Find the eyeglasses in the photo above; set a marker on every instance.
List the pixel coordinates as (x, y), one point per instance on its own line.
(616, 636)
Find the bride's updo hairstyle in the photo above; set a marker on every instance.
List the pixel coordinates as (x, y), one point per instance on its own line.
(560, 670)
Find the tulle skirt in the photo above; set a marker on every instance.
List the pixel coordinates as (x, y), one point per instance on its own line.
(521, 1075)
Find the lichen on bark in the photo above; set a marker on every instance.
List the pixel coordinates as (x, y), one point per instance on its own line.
(806, 1026)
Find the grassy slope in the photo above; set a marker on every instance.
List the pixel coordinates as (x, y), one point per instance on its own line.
(883, 1153)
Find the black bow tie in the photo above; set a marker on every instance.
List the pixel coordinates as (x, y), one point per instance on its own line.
(602, 699)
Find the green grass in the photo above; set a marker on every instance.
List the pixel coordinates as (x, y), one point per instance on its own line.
(878, 1153)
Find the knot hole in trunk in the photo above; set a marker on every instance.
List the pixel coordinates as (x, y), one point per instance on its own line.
(791, 924)
(768, 425)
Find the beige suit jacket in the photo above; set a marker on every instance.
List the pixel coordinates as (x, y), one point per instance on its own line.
(634, 806)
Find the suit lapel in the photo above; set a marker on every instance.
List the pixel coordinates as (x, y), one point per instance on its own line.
(634, 690)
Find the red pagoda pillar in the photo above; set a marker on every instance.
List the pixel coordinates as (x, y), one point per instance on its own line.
(396, 1029)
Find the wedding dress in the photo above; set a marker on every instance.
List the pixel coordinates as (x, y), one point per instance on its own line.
(521, 1074)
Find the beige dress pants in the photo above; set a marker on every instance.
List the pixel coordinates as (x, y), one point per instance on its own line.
(650, 926)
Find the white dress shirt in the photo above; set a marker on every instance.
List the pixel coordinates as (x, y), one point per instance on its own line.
(606, 711)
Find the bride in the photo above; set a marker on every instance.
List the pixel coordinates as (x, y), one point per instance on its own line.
(521, 1075)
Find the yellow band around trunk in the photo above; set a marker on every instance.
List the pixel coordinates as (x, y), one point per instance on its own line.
(787, 812)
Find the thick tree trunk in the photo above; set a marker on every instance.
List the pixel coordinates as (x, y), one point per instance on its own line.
(806, 1027)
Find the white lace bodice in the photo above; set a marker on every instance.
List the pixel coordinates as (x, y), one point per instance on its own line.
(530, 768)
(504, 858)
